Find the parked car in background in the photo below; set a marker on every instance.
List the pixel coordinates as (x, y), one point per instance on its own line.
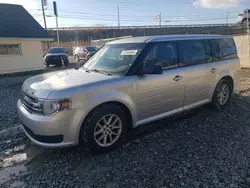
(56, 56)
(126, 84)
(242, 17)
(84, 53)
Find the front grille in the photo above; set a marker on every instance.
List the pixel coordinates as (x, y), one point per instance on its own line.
(30, 103)
(55, 58)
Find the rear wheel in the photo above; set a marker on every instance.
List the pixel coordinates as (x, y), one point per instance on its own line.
(104, 129)
(245, 22)
(222, 94)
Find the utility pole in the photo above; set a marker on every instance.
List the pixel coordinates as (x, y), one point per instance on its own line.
(44, 20)
(248, 32)
(160, 19)
(227, 17)
(118, 11)
(56, 15)
(167, 26)
(57, 31)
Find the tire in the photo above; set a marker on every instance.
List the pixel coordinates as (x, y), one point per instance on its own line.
(91, 126)
(244, 23)
(221, 100)
(66, 62)
(77, 59)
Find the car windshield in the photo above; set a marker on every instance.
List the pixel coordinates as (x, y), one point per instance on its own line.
(114, 58)
(56, 50)
(91, 48)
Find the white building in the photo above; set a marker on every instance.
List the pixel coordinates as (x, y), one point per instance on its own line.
(20, 40)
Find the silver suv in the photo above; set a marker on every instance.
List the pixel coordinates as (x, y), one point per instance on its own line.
(128, 83)
(84, 53)
(242, 18)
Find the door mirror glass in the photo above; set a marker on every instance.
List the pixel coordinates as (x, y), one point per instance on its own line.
(154, 69)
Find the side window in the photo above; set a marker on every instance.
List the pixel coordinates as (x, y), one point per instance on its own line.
(227, 48)
(10, 49)
(208, 50)
(4, 50)
(215, 48)
(224, 48)
(163, 53)
(14, 49)
(191, 52)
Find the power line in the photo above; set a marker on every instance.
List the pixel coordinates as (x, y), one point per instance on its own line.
(177, 18)
(140, 16)
(139, 20)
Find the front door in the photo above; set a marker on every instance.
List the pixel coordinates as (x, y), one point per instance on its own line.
(160, 95)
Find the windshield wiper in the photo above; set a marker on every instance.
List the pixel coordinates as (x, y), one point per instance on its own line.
(100, 71)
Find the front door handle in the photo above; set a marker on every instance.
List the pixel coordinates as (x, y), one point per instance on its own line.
(177, 78)
(213, 70)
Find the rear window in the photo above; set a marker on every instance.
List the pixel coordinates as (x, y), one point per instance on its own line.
(223, 48)
(56, 50)
(91, 48)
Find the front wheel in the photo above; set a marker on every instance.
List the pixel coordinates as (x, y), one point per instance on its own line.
(104, 129)
(66, 62)
(222, 94)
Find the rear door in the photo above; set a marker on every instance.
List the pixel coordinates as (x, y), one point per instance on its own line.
(160, 95)
(199, 72)
(225, 58)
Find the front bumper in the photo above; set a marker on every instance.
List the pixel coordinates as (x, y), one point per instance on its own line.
(54, 60)
(240, 20)
(48, 131)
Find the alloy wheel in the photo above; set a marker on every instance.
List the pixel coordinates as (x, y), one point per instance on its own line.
(223, 94)
(107, 130)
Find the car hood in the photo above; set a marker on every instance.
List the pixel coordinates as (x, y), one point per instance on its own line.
(42, 85)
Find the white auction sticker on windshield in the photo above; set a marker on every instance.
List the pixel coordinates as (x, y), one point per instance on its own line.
(129, 52)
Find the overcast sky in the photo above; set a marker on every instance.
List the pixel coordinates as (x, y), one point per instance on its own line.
(139, 12)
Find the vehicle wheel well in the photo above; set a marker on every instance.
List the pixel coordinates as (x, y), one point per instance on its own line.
(122, 106)
(230, 80)
(245, 19)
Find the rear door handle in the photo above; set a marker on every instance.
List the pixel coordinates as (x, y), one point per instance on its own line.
(177, 78)
(213, 70)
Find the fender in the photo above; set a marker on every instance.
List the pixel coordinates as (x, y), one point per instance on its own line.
(103, 97)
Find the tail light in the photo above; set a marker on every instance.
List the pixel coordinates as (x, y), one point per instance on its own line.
(83, 62)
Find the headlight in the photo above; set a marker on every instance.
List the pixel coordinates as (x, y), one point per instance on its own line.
(53, 106)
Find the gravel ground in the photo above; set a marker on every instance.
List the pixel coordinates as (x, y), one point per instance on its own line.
(202, 148)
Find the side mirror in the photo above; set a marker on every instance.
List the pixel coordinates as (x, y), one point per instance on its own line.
(155, 69)
(66, 52)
